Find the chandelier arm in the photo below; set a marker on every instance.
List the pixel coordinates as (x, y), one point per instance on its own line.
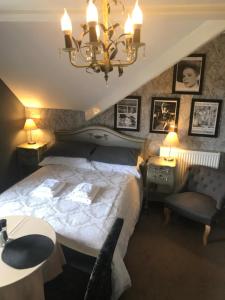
(76, 43)
(82, 48)
(83, 56)
(122, 64)
(101, 62)
(76, 65)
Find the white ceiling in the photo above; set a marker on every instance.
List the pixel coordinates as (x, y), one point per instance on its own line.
(32, 67)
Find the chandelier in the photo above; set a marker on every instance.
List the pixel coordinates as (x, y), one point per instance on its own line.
(103, 46)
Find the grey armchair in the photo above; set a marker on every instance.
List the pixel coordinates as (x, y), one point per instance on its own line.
(201, 198)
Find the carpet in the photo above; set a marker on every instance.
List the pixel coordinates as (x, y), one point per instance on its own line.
(170, 263)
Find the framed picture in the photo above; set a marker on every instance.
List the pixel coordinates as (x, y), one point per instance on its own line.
(164, 113)
(188, 75)
(204, 118)
(127, 114)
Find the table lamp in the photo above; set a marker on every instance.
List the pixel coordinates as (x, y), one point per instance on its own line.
(170, 141)
(29, 126)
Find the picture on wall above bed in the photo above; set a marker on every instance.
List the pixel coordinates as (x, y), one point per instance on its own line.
(127, 114)
(164, 114)
(204, 118)
(188, 75)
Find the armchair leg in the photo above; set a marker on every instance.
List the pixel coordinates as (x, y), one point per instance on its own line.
(206, 234)
(167, 214)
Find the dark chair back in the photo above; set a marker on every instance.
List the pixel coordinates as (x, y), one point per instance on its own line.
(99, 286)
(207, 181)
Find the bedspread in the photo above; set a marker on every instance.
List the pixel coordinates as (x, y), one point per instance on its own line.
(80, 226)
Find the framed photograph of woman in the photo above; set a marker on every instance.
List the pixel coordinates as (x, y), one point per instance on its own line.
(205, 117)
(188, 75)
(164, 114)
(127, 114)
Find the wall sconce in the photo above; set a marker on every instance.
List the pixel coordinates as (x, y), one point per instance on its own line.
(170, 141)
(29, 126)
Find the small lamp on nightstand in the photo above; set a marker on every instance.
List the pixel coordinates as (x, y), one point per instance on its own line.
(29, 126)
(170, 141)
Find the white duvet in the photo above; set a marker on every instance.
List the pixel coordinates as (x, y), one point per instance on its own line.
(80, 226)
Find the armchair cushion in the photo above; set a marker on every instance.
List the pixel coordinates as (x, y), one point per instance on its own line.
(195, 206)
(207, 181)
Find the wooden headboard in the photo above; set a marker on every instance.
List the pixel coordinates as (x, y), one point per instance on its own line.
(100, 135)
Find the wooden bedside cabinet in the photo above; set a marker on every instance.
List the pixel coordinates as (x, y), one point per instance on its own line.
(29, 157)
(160, 178)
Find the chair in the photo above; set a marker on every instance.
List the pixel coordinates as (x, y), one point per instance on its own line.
(86, 277)
(201, 198)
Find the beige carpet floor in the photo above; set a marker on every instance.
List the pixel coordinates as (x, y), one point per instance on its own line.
(170, 262)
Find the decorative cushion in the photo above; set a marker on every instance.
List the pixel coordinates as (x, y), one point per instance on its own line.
(208, 181)
(115, 155)
(195, 206)
(71, 149)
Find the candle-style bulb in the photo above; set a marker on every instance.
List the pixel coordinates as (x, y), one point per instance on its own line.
(128, 27)
(137, 15)
(66, 24)
(92, 12)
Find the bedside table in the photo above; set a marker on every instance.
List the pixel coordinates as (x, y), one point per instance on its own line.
(29, 157)
(160, 177)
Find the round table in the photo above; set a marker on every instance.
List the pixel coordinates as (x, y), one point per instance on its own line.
(27, 284)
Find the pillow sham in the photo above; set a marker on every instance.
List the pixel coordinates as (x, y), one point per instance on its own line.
(115, 155)
(74, 162)
(71, 149)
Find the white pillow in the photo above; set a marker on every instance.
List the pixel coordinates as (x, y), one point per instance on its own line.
(74, 162)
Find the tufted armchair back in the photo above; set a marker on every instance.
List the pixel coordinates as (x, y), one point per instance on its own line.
(207, 181)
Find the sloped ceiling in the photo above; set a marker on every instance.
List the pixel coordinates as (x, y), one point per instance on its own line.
(32, 66)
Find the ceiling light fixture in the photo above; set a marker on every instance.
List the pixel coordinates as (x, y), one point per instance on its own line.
(100, 45)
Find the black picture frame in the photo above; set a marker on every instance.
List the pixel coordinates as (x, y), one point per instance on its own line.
(164, 113)
(190, 82)
(127, 114)
(205, 117)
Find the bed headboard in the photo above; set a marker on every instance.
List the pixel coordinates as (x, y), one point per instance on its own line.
(100, 135)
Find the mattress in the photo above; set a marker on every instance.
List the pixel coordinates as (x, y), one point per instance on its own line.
(80, 226)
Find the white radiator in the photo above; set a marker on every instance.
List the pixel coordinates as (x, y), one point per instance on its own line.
(186, 158)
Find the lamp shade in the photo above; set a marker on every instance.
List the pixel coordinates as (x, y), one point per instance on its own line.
(171, 139)
(30, 125)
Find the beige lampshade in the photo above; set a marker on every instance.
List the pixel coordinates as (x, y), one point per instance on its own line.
(171, 139)
(30, 125)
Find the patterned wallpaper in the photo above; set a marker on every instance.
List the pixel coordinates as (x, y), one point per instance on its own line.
(213, 88)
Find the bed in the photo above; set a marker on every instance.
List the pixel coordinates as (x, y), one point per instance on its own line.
(80, 226)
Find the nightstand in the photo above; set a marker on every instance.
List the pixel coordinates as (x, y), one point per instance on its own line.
(160, 178)
(29, 157)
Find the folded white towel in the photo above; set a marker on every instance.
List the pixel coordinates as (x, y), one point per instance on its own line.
(48, 188)
(84, 193)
